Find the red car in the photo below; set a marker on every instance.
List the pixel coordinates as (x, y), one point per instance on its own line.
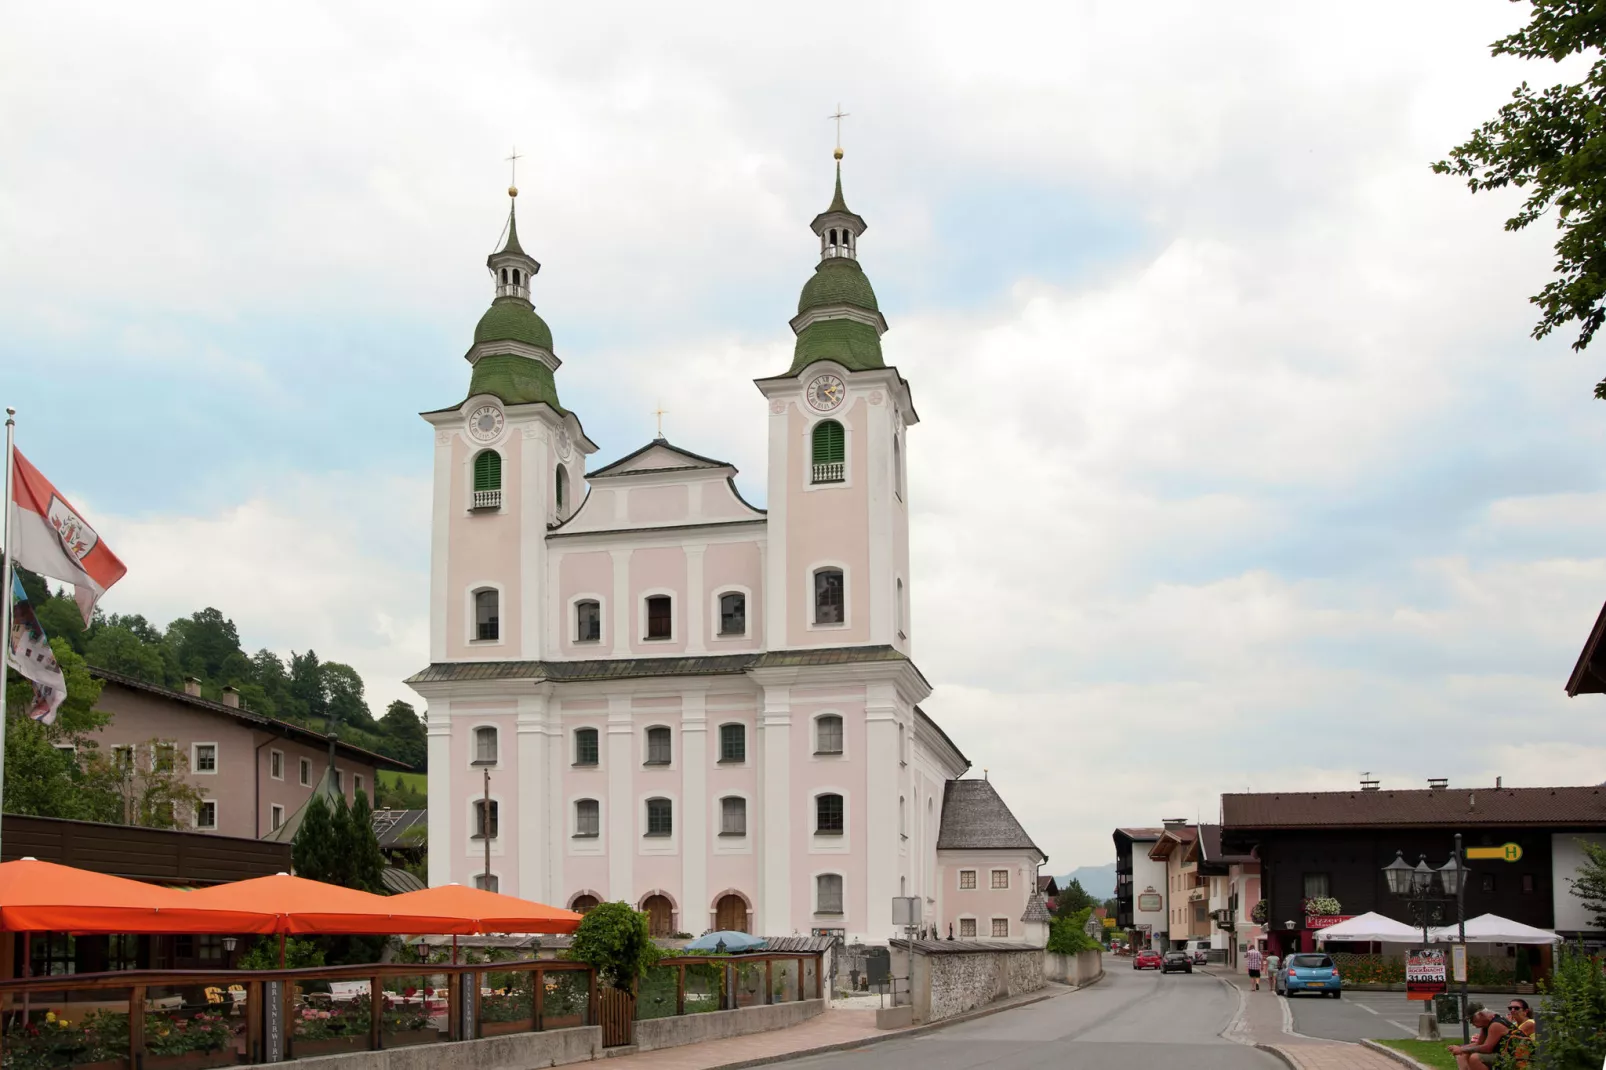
(1148, 959)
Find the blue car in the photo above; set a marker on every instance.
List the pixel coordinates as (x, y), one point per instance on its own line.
(1305, 972)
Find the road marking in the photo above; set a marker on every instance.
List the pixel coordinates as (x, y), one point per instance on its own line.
(1365, 1008)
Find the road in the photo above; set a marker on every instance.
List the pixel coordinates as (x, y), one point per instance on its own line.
(1369, 1014)
(1128, 1021)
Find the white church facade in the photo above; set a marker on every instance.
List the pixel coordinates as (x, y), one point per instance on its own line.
(700, 707)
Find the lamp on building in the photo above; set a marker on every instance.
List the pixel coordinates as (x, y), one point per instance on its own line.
(1290, 925)
(230, 943)
(1450, 875)
(1398, 874)
(1426, 898)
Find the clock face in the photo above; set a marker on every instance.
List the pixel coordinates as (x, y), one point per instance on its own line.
(485, 424)
(826, 392)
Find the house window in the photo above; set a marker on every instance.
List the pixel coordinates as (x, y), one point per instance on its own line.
(658, 617)
(275, 816)
(587, 819)
(733, 816)
(587, 621)
(487, 882)
(657, 746)
(206, 814)
(732, 743)
(828, 734)
(585, 746)
(485, 745)
(560, 483)
(1198, 912)
(1487, 884)
(486, 619)
(733, 613)
(967, 878)
(829, 452)
(1527, 882)
(967, 928)
(584, 904)
(828, 602)
(828, 892)
(276, 764)
(660, 817)
(340, 780)
(205, 758)
(480, 813)
(1001, 927)
(1315, 885)
(1000, 878)
(123, 759)
(488, 480)
(306, 773)
(356, 783)
(828, 815)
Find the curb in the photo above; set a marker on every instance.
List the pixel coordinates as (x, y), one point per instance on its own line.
(1283, 1056)
(1398, 1056)
(895, 1034)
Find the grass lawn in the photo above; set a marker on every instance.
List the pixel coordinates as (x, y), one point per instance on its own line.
(415, 781)
(1426, 1052)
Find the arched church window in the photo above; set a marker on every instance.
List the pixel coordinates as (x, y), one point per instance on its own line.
(733, 613)
(587, 621)
(828, 734)
(829, 603)
(504, 276)
(515, 276)
(897, 467)
(485, 745)
(829, 452)
(583, 904)
(828, 813)
(488, 480)
(659, 618)
(586, 751)
(658, 744)
(828, 893)
(587, 819)
(561, 484)
(487, 614)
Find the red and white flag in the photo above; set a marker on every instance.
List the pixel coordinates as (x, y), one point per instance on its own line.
(53, 539)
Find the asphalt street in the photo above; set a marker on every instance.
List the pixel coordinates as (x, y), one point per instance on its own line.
(1128, 1021)
(1368, 1014)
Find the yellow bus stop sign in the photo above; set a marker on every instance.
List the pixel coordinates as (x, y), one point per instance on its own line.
(1506, 852)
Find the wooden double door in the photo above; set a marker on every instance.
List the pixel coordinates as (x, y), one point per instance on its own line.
(730, 914)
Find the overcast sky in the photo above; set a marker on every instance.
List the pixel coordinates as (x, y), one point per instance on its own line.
(1236, 467)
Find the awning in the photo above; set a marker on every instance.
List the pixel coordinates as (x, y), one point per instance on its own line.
(305, 906)
(37, 896)
(1493, 929)
(490, 912)
(1370, 927)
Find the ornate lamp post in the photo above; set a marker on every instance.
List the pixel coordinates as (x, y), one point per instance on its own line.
(1426, 891)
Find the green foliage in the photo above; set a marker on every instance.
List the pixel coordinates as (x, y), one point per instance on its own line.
(1429, 1053)
(1590, 884)
(368, 862)
(1067, 933)
(613, 939)
(1573, 1013)
(1072, 898)
(1547, 143)
(298, 954)
(315, 848)
(337, 845)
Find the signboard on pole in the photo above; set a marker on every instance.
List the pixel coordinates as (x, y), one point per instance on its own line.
(1458, 962)
(1425, 974)
(1506, 852)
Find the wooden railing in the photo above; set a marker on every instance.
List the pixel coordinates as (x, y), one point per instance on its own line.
(144, 1017)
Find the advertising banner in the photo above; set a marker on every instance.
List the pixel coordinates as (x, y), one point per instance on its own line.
(1425, 973)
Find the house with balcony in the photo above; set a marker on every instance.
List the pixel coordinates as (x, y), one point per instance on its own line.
(1187, 917)
(1141, 894)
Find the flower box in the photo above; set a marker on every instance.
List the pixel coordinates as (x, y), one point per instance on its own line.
(500, 1029)
(301, 1049)
(561, 1021)
(104, 1064)
(192, 1060)
(406, 1038)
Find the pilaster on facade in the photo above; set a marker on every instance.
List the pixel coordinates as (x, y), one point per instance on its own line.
(694, 819)
(621, 614)
(440, 544)
(696, 628)
(775, 810)
(438, 731)
(882, 716)
(534, 825)
(774, 556)
(621, 809)
(535, 476)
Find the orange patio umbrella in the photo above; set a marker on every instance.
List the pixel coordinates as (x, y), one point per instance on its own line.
(307, 906)
(37, 896)
(491, 912)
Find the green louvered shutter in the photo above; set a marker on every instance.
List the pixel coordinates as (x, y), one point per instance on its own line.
(828, 443)
(488, 471)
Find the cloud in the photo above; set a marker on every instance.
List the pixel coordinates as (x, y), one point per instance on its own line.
(1236, 464)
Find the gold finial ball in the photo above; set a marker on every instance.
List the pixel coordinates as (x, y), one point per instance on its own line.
(513, 191)
(837, 155)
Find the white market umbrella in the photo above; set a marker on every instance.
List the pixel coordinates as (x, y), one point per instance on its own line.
(1370, 927)
(1493, 929)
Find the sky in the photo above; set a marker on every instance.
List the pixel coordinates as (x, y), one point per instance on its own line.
(1237, 468)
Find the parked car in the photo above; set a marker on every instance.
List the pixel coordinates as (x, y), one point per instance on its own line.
(1306, 972)
(1176, 960)
(1148, 959)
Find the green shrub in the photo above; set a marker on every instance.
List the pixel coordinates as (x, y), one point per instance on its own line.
(613, 939)
(1573, 1013)
(1068, 936)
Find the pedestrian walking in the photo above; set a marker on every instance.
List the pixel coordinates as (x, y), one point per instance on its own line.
(1273, 962)
(1252, 962)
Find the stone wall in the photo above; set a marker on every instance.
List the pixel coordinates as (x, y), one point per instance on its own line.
(945, 983)
(1077, 970)
(694, 1028)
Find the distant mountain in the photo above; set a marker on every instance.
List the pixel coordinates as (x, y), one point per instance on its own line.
(1097, 881)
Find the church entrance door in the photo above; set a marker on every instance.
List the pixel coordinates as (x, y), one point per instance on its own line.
(660, 915)
(730, 914)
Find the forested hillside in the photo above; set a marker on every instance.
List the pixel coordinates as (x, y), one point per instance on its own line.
(306, 691)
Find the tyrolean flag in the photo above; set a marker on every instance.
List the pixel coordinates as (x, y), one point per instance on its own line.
(52, 538)
(31, 656)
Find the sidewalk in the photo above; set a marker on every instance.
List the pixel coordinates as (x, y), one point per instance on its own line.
(1262, 1023)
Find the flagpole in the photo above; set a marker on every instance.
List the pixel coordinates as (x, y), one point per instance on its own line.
(5, 602)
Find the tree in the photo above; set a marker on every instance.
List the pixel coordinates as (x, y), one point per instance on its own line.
(404, 733)
(346, 703)
(152, 784)
(307, 693)
(313, 851)
(1547, 143)
(207, 645)
(1590, 884)
(120, 649)
(49, 770)
(1067, 934)
(1072, 898)
(614, 939)
(368, 862)
(1573, 1012)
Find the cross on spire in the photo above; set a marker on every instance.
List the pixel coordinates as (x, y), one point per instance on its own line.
(513, 172)
(659, 412)
(838, 117)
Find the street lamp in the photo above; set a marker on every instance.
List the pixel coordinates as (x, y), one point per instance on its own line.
(1416, 885)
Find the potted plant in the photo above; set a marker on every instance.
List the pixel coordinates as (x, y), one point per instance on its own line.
(193, 1043)
(563, 1003)
(508, 1011)
(1258, 912)
(328, 1031)
(1321, 906)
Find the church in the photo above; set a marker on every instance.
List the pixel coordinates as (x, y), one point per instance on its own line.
(642, 687)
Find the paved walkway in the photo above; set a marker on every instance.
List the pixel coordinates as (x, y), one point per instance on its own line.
(1264, 1023)
(823, 1030)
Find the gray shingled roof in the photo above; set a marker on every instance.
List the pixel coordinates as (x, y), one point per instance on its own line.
(1036, 910)
(975, 818)
(630, 668)
(951, 947)
(390, 825)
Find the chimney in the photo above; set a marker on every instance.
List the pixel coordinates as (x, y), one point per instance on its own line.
(192, 686)
(1174, 822)
(1496, 782)
(1438, 783)
(231, 698)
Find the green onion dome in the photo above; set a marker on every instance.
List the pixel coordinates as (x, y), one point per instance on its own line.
(839, 280)
(510, 319)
